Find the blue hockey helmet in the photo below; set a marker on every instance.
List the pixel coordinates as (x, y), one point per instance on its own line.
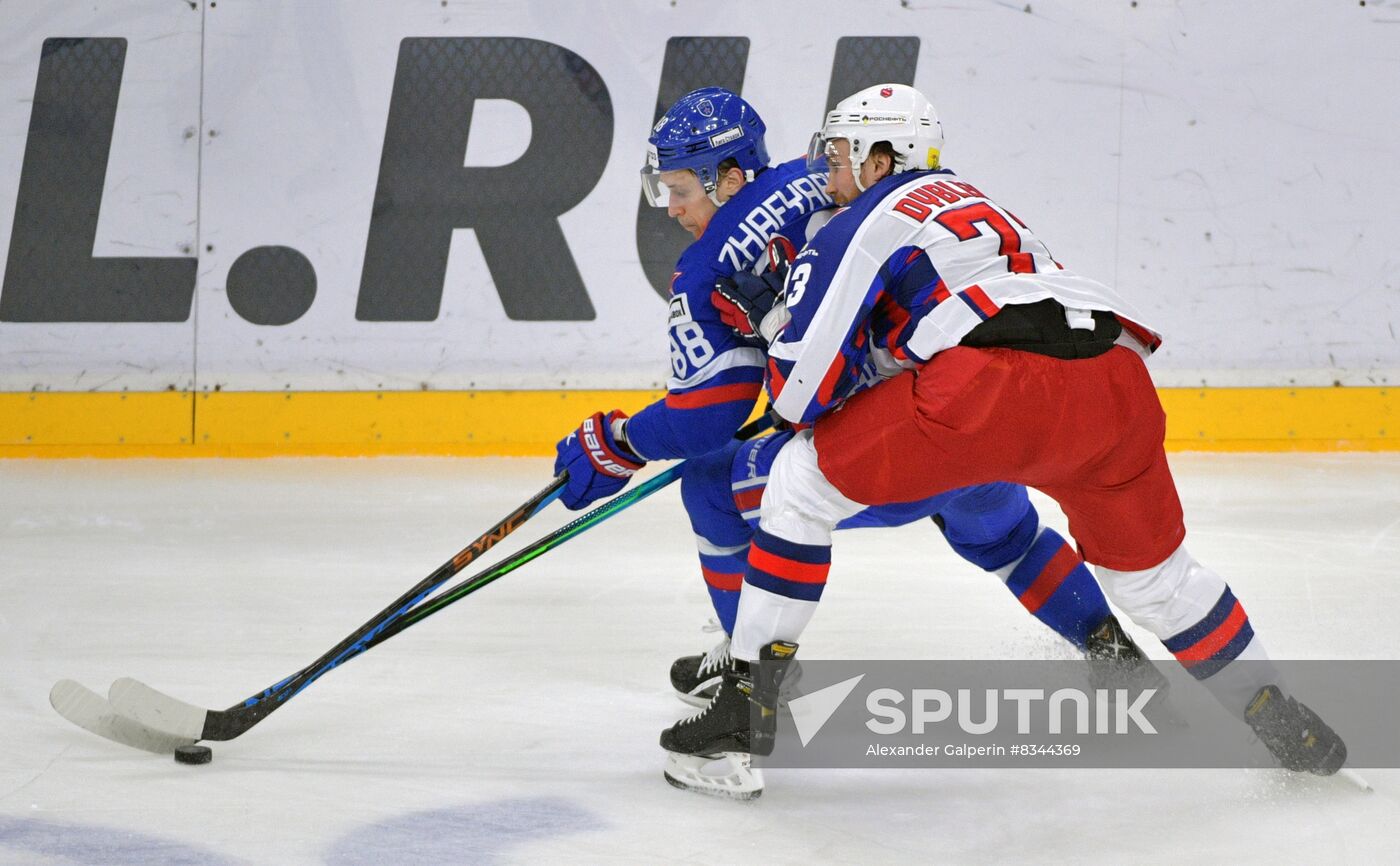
(703, 129)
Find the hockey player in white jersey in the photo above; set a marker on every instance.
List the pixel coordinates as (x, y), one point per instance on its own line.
(707, 163)
(992, 362)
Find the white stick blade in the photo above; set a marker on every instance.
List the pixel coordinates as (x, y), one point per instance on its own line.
(156, 710)
(91, 712)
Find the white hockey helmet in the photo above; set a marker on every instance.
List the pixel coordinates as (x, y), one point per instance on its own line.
(896, 113)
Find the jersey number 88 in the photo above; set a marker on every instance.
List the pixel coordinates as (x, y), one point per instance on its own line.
(688, 343)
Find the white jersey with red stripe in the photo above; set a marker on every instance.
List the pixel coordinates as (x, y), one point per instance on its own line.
(905, 272)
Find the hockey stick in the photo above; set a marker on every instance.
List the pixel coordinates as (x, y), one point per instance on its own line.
(90, 711)
(153, 709)
(456, 593)
(85, 709)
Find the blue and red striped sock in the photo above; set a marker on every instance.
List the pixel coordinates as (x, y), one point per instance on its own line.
(1214, 641)
(782, 585)
(787, 568)
(724, 576)
(1055, 586)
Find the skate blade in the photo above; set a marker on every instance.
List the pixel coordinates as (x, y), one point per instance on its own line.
(730, 775)
(1356, 779)
(700, 701)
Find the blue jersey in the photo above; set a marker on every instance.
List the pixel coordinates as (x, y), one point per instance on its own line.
(716, 375)
(917, 262)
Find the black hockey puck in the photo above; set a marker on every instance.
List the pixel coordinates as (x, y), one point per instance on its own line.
(193, 754)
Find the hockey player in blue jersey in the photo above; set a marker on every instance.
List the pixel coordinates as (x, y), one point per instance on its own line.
(708, 164)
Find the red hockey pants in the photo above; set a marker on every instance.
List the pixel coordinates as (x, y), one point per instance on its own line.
(1088, 433)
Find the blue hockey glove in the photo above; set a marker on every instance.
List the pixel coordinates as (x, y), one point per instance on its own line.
(744, 299)
(599, 465)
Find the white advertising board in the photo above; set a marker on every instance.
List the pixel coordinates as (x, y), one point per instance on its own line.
(349, 194)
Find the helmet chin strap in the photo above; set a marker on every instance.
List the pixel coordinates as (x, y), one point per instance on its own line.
(855, 173)
(713, 192)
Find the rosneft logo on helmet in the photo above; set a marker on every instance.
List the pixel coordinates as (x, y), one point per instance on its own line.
(882, 118)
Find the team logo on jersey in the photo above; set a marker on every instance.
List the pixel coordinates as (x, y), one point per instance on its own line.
(680, 311)
(705, 107)
(887, 92)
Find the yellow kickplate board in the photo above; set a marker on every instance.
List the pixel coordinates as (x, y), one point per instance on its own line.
(528, 423)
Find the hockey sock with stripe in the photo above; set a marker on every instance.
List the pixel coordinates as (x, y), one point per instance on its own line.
(782, 585)
(724, 576)
(1197, 617)
(1053, 584)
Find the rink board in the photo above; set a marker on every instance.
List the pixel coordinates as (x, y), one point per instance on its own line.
(350, 195)
(345, 227)
(528, 423)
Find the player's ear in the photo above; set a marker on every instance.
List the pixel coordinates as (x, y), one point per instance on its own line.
(884, 164)
(731, 182)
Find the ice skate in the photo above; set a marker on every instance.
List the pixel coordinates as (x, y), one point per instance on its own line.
(728, 774)
(696, 678)
(1297, 737)
(739, 721)
(1116, 662)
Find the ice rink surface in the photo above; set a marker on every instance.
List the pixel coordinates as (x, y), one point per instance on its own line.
(521, 725)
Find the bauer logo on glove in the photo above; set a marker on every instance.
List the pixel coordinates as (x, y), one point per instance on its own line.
(598, 459)
(600, 454)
